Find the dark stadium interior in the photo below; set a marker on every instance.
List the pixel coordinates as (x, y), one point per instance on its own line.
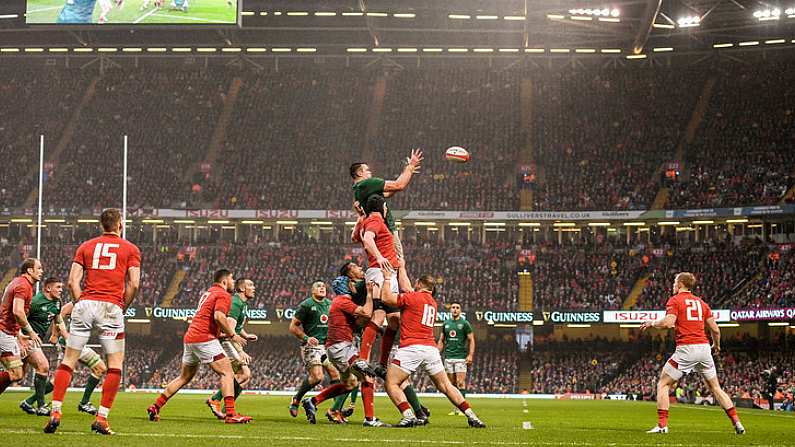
(607, 156)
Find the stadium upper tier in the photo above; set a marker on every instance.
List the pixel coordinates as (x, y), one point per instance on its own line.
(223, 138)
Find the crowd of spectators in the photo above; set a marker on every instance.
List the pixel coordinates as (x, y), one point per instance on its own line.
(168, 116)
(773, 286)
(743, 153)
(436, 109)
(602, 137)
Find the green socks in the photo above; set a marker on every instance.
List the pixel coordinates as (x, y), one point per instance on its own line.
(39, 390)
(414, 401)
(339, 402)
(90, 385)
(303, 389)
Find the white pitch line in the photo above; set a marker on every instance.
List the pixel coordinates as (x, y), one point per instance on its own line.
(154, 10)
(32, 11)
(365, 440)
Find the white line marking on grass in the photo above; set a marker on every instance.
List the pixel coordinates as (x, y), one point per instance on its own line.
(138, 20)
(365, 440)
(33, 11)
(195, 19)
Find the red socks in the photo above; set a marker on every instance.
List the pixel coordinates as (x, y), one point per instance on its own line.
(161, 401)
(330, 392)
(386, 345)
(368, 395)
(110, 388)
(63, 377)
(5, 380)
(662, 418)
(464, 406)
(403, 406)
(732, 414)
(229, 404)
(368, 338)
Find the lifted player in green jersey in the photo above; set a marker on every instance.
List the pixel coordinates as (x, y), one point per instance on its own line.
(45, 309)
(310, 325)
(456, 332)
(244, 291)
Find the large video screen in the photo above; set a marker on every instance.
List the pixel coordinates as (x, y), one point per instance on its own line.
(132, 12)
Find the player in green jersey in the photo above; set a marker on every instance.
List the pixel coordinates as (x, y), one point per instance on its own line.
(88, 358)
(456, 333)
(244, 291)
(45, 309)
(310, 326)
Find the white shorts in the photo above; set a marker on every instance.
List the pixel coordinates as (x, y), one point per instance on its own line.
(340, 355)
(107, 318)
(453, 366)
(9, 349)
(688, 358)
(204, 352)
(313, 355)
(411, 358)
(377, 276)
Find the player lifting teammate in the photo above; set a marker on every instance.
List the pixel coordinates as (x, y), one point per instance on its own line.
(201, 346)
(310, 326)
(456, 334)
(688, 314)
(112, 270)
(364, 187)
(244, 291)
(418, 349)
(345, 316)
(17, 335)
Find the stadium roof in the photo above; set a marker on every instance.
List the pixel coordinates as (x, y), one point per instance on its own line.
(630, 26)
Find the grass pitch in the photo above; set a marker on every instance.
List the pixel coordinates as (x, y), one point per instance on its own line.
(207, 12)
(186, 421)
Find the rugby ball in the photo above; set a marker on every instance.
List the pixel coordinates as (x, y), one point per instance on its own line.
(457, 154)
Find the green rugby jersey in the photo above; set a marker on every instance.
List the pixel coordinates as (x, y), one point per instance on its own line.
(313, 316)
(238, 311)
(373, 185)
(455, 338)
(43, 312)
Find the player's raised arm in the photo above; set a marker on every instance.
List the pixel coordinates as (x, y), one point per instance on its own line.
(133, 284)
(73, 283)
(387, 296)
(367, 309)
(399, 184)
(714, 332)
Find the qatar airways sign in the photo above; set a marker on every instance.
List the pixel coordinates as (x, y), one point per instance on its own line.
(777, 314)
(641, 316)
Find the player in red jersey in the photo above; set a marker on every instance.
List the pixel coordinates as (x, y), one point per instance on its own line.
(382, 253)
(345, 316)
(201, 346)
(689, 314)
(15, 330)
(111, 267)
(418, 350)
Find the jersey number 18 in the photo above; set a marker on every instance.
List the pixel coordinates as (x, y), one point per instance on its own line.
(428, 315)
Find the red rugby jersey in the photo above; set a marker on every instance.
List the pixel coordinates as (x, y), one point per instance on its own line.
(19, 287)
(691, 313)
(417, 317)
(105, 260)
(203, 326)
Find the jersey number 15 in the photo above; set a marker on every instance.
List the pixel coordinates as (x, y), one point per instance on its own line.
(101, 253)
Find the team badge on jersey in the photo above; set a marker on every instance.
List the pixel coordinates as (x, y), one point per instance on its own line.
(324, 318)
(453, 333)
